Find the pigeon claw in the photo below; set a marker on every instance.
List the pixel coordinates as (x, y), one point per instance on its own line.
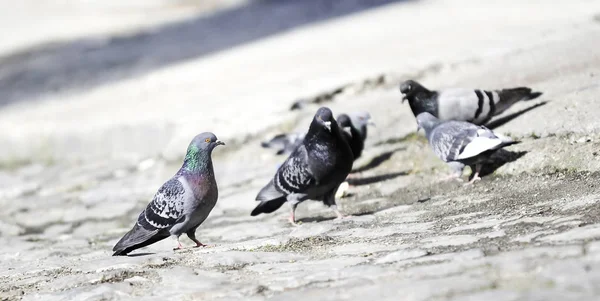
(473, 180)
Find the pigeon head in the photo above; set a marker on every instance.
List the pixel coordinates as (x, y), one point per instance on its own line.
(323, 119)
(199, 150)
(343, 120)
(361, 119)
(205, 141)
(427, 122)
(410, 88)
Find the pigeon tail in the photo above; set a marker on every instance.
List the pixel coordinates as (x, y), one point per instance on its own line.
(136, 238)
(507, 143)
(268, 206)
(511, 96)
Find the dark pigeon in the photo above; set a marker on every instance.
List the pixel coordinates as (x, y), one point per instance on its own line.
(475, 106)
(460, 141)
(355, 130)
(314, 170)
(181, 204)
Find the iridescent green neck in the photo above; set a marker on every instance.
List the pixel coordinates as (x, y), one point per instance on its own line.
(196, 159)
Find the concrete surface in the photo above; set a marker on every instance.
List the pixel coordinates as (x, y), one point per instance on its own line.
(80, 159)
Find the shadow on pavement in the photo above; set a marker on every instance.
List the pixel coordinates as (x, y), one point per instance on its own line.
(89, 62)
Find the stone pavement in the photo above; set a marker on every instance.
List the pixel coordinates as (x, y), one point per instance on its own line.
(528, 231)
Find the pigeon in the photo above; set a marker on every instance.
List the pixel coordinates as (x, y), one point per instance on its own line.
(181, 204)
(314, 170)
(355, 130)
(475, 106)
(461, 141)
(284, 143)
(287, 143)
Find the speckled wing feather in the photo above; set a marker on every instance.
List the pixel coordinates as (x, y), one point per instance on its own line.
(293, 176)
(166, 207)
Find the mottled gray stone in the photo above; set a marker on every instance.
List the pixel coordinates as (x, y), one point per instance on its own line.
(311, 229)
(477, 225)
(237, 258)
(107, 291)
(362, 248)
(531, 236)
(584, 201)
(401, 255)
(581, 233)
(450, 240)
(531, 220)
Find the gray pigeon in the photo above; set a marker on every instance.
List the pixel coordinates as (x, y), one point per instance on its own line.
(475, 106)
(284, 143)
(314, 170)
(460, 141)
(360, 120)
(181, 204)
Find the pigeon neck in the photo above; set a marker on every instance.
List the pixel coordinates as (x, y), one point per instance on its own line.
(363, 132)
(197, 161)
(355, 132)
(428, 126)
(423, 101)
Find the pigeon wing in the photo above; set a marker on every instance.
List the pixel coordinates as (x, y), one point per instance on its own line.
(449, 139)
(294, 175)
(166, 207)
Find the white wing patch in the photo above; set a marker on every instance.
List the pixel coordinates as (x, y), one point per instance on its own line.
(478, 146)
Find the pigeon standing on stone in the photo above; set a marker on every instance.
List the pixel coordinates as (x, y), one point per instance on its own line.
(355, 130)
(475, 106)
(314, 170)
(181, 204)
(460, 141)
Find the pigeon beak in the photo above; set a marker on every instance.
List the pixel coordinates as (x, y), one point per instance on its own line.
(404, 98)
(219, 142)
(371, 122)
(418, 127)
(327, 125)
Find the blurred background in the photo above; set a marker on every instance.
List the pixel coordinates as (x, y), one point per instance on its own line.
(97, 79)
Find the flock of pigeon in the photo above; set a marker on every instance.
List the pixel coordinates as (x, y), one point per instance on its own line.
(321, 159)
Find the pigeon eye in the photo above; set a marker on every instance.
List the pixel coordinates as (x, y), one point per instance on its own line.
(207, 140)
(409, 87)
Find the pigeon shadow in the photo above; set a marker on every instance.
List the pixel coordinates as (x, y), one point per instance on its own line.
(315, 219)
(378, 160)
(375, 179)
(498, 159)
(140, 254)
(503, 120)
(318, 219)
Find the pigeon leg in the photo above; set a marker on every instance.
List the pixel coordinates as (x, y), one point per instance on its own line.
(476, 175)
(457, 169)
(339, 214)
(192, 236)
(293, 214)
(179, 246)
